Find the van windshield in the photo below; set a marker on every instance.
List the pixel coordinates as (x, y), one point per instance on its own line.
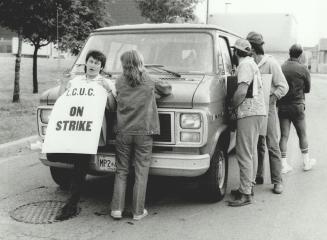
(178, 52)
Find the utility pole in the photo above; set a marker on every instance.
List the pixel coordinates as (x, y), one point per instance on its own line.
(207, 14)
(226, 6)
(57, 33)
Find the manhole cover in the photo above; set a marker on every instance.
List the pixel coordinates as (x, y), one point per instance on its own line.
(38, 212)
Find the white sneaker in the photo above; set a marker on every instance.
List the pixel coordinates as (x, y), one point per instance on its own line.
(307, 165)
(139, 217)
(286, 168)
(117, 214)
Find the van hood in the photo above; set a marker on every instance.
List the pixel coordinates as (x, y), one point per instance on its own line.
(183, 90)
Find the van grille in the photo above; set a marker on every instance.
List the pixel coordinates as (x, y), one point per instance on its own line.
(165, 128)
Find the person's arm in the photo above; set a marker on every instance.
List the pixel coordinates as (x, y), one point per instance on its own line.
(111, 94)
(244, 78)
(307, 81)
(239, 94)
(162, 88)
(63, 86)
(280, 85)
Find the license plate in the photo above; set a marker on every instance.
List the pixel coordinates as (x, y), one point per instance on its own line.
(106, 163)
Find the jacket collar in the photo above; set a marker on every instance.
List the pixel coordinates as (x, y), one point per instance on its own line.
(263, 60)
(293, 60)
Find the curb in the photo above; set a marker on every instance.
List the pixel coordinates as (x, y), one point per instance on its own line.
(23, 142)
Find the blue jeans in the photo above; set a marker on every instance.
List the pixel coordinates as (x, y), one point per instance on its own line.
(131, 150)
(272, 141)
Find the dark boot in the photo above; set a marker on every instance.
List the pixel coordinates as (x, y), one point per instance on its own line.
(241, 200)
(69, 210)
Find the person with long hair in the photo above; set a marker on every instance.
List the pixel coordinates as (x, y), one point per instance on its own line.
(137, 122)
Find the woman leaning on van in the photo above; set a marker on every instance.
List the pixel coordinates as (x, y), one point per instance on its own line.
(137, 122)
(248, 101)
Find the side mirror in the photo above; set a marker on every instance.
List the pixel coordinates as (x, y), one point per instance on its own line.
(67, 73)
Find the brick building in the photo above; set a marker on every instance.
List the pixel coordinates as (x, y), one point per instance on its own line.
(5, 40)
(322, 56)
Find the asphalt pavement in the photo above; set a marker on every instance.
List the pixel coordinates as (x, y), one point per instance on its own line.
(175, 209)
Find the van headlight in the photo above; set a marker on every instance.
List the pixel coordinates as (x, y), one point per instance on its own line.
(44, 115)
(190, 120)
(190, 137)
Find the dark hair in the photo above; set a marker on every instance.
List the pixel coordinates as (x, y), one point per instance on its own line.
(257, 48)
(295, 51)
(97, 55)
(241, 53)
(133, 68)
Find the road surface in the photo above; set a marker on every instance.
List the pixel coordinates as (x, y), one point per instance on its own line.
(175, 210)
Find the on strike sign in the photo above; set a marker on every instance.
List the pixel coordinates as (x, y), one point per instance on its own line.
(76, 120)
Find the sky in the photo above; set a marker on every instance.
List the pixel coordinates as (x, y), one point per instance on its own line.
(311, 15)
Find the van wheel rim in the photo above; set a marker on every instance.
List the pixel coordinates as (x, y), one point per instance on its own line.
(221, 172)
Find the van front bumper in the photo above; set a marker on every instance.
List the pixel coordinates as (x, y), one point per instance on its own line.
(163, 164)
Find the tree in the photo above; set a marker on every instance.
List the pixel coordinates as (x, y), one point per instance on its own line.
(43, 20)
(159, 11)
(12, 18)
(40, 27)
(76, 27)
(16, 93)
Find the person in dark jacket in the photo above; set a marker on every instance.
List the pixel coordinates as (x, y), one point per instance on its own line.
(291, 107)
(137, 122)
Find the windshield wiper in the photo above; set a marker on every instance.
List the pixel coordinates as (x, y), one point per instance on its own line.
(161, 67)
(79, 64)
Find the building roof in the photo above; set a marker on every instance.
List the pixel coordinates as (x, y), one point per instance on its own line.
(279, 30)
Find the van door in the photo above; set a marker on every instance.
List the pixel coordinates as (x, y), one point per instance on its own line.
(229, 68)
(230, 81)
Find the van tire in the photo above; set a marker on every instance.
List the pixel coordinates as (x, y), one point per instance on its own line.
(62, 177)
(214, 182)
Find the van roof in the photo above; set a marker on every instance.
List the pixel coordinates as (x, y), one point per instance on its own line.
(147, 26)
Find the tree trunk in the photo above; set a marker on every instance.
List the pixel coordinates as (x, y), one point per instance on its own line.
(35, 83)
(17, 68)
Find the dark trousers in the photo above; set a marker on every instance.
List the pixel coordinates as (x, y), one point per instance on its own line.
(81, 163)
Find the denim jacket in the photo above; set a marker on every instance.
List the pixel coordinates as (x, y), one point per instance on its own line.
(137, 112)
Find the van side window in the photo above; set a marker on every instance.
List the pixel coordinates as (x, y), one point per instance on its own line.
(221, 67)
(225, 55)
